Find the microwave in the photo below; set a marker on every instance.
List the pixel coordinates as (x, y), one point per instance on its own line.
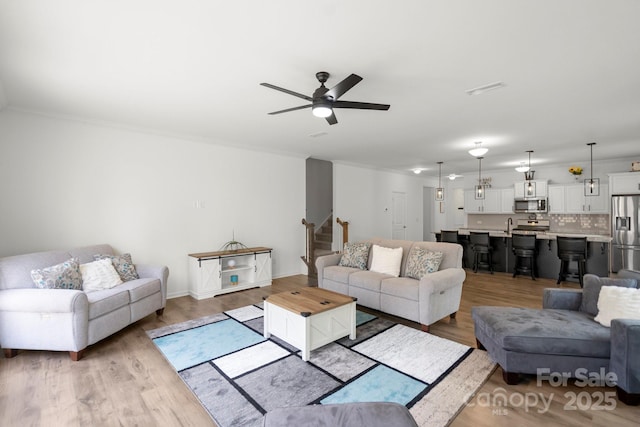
(538, 204)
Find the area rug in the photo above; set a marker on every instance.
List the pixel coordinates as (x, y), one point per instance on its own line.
(238, 375)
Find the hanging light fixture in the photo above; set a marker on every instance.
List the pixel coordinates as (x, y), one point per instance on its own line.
(592, 185)
(479, 188)
(439, 190)
(529, 184)
(479, 150)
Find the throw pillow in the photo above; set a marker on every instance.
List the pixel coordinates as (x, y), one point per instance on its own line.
(65, 275)
(98, 275)
(386, 260)
(618, 303)
(591, 290)
(355, 255)
(123, 265)
(422, 262)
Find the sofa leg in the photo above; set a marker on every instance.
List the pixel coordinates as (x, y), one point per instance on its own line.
(511, 378)
(76, 355)
(160, 311)
(10, 352)
(425, 328)
(631, 399)
(453, 315)
(479, 345)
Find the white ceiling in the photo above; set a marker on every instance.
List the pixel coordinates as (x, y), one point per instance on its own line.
(193, 68)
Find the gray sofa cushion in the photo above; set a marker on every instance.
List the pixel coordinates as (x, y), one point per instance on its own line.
(402, 287)
(591, 291)
(15, 271)
(106, 301)
(338, 273)
(367, 280)
(141, 288)
(553, 332)
(369, 414)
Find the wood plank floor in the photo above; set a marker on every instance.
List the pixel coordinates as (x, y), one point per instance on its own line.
(125, 381)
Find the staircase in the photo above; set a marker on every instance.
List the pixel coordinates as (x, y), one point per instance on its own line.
(318, 244)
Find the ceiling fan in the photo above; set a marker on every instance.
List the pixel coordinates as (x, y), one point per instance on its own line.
(324, 100)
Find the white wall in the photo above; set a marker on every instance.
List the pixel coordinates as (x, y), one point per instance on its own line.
(362, 196)
(64, 184)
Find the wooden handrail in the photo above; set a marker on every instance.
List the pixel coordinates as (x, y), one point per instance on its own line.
(309, 246)
(345, 230)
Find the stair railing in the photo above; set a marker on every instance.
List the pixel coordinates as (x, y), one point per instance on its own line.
(345, 230)
(309, 247)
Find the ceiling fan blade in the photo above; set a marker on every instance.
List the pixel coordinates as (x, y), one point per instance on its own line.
(302, 107)
(290, 92)
(332, 119)
(338, 90)
(360, 105)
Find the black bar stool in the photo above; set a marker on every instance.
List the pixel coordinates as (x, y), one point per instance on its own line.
(451, 236)
(524, 249)
(482, 251)
(572, 249)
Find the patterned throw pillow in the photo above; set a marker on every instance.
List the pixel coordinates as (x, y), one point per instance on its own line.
(355, 255)
(123, 265)
(61, 276)
(422, 262)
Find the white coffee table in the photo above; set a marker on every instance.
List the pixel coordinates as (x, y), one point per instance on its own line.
(310, 318)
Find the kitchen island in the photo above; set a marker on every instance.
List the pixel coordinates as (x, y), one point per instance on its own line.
(547, 261)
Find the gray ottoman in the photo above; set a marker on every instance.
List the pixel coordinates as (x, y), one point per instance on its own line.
(370, 414)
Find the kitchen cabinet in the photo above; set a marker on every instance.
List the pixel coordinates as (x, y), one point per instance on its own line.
(490, 204)
(624, 183)
(540, 190)
(507, 195)
(556, 199)
(577, 202)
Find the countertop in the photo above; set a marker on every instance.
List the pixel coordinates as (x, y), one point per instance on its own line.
(543, 235)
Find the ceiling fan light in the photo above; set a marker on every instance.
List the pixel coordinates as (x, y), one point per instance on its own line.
(321, 111)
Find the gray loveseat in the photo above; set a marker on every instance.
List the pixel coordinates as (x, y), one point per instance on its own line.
(426, 301)
(70, 320)
(563, 337)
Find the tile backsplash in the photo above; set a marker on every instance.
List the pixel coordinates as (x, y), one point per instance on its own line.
(579, 223)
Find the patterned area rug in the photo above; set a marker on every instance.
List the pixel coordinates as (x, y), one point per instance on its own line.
(238, 375)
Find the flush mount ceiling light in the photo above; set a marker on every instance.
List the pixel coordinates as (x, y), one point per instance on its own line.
(592, 185)
(453, 176)
(439, 190)
(486, 88)
(417, 171)
(479, 189)
(479, 150)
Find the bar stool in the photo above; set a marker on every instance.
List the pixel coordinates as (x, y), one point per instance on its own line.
(482, 251)
(572, 249)
(451, 236)
(524, 249)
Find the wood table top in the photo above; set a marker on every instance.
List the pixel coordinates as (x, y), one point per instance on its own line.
(243, 251)
(309, 301)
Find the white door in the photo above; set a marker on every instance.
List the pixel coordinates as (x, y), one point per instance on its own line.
(398, 215)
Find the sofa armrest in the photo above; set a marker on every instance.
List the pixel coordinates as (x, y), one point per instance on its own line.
(34, 300)
(439, 294)
(160, 272)
(326, 261)
(44, 319)
(625, 348)
(562, 299)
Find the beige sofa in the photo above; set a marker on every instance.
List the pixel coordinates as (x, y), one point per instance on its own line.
(70, 320)
(426, 301)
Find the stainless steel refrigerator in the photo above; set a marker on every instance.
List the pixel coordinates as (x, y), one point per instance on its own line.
(625, 230)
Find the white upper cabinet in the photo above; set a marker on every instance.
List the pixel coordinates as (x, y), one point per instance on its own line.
(492, 202)
(556, 199)
(540, 189)
(624, 183)
(507, 195)
(577, 202)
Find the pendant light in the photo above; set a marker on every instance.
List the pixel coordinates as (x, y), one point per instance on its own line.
(479, 188)
(440, 190)
(592, 185)
(529, 185)
(479, 150)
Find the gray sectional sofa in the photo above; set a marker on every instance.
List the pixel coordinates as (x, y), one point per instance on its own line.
(425, 301)
(70, 320)
(564, 337)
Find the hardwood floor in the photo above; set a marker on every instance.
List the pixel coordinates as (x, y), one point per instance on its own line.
(125, 381)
